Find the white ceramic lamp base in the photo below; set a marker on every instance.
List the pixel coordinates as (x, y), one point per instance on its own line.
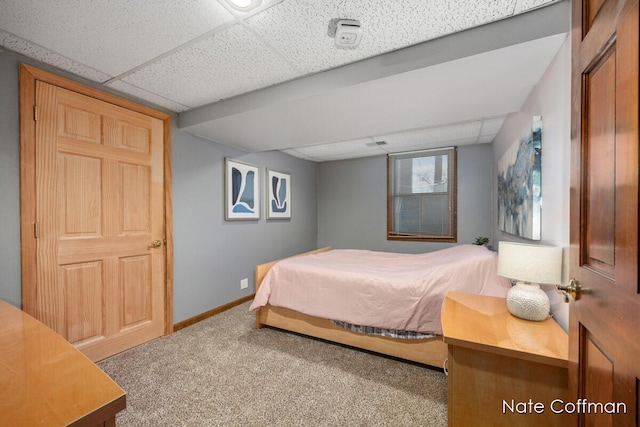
(528, 301)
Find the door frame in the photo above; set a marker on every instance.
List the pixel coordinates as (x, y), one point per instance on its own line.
(28, 77)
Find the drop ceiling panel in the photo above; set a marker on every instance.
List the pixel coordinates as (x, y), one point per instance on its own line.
(296, 153)
(218, 66)
(486, 139)
(428, 97)
(491, 126)
(32, 50)
(182, 54)
(434, 137)
(523, 5)
(330, 156)
(457, 134)
(112, 36)
(298, 28)
(344, 147)
(357, 155)
(146, 95)
(426, 145)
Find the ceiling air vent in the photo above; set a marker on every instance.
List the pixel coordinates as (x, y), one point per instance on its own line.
(376, 143)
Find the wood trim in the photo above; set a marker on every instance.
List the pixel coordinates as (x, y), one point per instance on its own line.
(74, 86)
(452, 190)
(454, 198)
(168, 224)
(207, 314)
(262, 269)
(429, 351)
(28, 77)
(28, 187)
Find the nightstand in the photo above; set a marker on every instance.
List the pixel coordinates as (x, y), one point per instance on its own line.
(503, 371)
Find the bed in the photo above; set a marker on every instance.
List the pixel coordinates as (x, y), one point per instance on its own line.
(314, 292)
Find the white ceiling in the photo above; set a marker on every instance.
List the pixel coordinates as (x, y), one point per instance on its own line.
(427, 72)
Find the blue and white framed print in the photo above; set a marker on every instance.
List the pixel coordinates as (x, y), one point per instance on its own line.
(278, 195)
(519, 184)
(242, 191)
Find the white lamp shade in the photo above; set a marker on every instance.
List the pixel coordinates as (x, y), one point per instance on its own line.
(530, 263)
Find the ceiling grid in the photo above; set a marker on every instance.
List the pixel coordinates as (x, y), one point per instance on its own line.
(273, 79)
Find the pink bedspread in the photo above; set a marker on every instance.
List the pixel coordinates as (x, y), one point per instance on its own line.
(381, 289)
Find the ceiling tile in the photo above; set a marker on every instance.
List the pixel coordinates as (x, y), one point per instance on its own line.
(341, 150)
(298, 28)
(486, 139)
(338, 147)
(427, 145)
(217, 67)
(181, 54)
(296, 153)
(441, 94)
(434, 136)
(113, 36)
(491, 126)
(458, 134)
(524, 5)
(147, 96)
(17, 44)
(355, 155)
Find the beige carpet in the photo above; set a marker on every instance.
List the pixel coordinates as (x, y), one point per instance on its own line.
(224, 372)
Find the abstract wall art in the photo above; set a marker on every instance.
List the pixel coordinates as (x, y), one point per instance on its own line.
(278, 195)
(519, 184)
(242, 191)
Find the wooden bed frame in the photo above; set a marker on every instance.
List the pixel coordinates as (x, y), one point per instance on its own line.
(431, 351)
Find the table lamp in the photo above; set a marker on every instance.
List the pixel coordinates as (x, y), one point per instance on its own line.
(530, 265)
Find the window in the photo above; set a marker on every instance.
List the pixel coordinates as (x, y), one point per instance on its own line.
(421, 196)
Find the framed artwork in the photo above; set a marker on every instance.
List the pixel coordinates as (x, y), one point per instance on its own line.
(519, 184)
(278, 195)
(241, 191)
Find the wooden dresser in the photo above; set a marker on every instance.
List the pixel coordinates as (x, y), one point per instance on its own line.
(46, 381)
(503, 371)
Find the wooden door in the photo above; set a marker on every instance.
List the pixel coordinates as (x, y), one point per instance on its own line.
(604, 376)
(99, 227)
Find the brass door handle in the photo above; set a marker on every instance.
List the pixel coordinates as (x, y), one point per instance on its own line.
(574, 289)
(155, 244)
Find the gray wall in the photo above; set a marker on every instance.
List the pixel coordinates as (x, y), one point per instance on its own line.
(352, 202)
(211, 255)
(552, 99)
(9, 182)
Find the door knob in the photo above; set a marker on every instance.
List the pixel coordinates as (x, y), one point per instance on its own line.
(574, 289)
(155, 244)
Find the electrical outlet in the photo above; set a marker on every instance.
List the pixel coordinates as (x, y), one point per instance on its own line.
(244, 283)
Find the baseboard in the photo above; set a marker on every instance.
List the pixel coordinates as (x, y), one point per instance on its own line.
(200, 317)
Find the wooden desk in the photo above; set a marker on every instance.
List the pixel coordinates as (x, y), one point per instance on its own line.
(503, 371)
(46, 381)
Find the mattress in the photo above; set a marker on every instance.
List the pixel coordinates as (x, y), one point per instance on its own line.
(380, 289)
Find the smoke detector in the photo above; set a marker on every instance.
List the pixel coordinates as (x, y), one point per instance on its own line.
(348, 33)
